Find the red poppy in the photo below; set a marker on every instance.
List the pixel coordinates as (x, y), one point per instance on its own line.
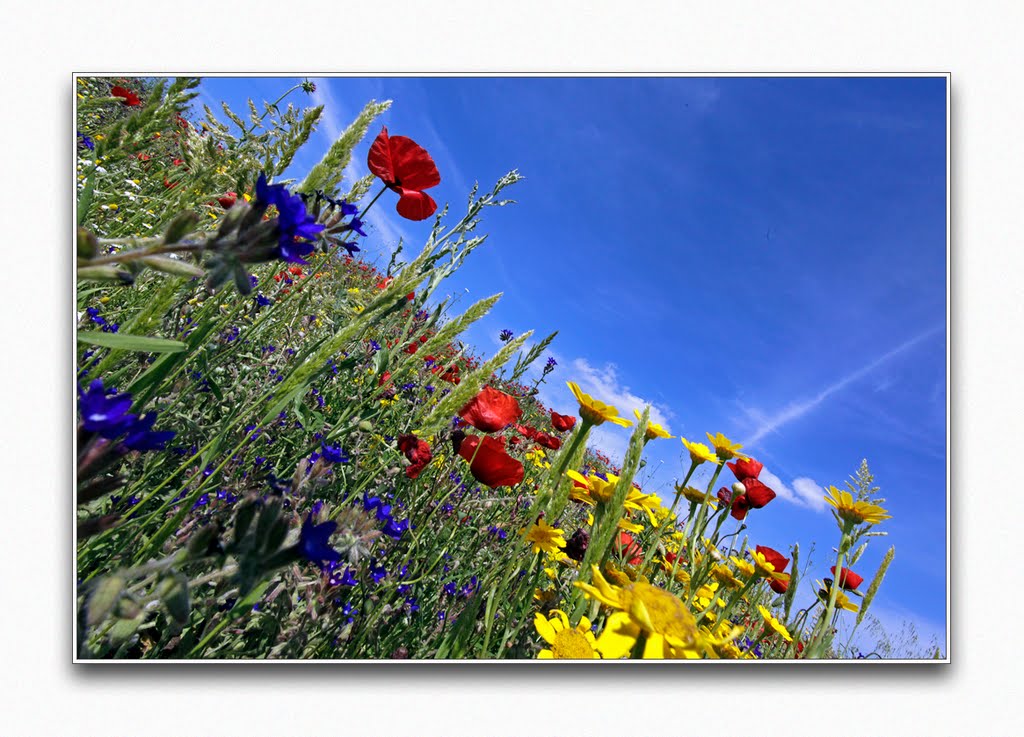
(227, 200)
(758, 494)
(168, 184)
(562, 422)
(406, 168)
(451, 376)
(548, 441)
(625, 545)
(528, 432)
(490, 465)
(384, 378)
(849, 580)
(745, 469)
(418, 453)
(491, 410)
(143, 157)
(774, 557)
(128, 97)
(740, 505)
(411, 348)
(779, 587)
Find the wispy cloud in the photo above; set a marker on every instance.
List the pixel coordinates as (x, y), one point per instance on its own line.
(795, 410)
(331, 125)
(804, 492)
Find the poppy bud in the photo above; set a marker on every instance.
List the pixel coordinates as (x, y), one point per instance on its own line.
(227, 200)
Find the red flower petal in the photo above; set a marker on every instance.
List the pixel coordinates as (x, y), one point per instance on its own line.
(562, 422)
(418, 452)
(625, 545)
(127, 96)
(491, 410)
(415, 205)
(739, 507)
(849, 580)
(779, 587)
(774, 557)
(745, 469)
(758, 495)
(548, 441)
(490, 465)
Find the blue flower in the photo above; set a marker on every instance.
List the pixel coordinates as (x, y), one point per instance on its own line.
(295, 226)
(395, 529)
(140, 435)
(357, 225)
(314, 541)
(87, 142)
(505, 335)
(334, 453)
(449, 588)
(103, 410)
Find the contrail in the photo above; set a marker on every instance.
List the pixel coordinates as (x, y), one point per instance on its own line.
(799, 409)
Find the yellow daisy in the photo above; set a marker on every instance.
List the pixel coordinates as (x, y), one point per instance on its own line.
(764, 569)
(592, 490)
(856, 512)
(567, 643)
(774, 623)
(724, 575)
(695, 495)
(725, 449)
(842, 601)
(746, 569)
(596, 412)
(654, 430)
(699, 453)
(544, 537)
(669, 628)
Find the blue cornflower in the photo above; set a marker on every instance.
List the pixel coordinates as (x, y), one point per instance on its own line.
(103, 410)
(294, 224)
(357, 225)
(376, 505)
(449, 588)
(346, 208)
(394, 529)
(468, 589)
(87, 142)
(374, 345)
(347, 579)
(334, 453)
(378, 573)
(141, 436)
(314, 541)
(505, 335)
(411, 603)
(352, 248)
(110, 327)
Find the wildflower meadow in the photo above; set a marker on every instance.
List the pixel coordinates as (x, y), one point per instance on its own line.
(287, 447)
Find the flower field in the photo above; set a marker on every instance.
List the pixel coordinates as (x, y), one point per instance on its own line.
(286, 451)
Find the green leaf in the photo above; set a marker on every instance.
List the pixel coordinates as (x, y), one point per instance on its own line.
(122, 342)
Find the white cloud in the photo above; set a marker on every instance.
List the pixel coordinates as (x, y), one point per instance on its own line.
(804, 492)
(604, 384)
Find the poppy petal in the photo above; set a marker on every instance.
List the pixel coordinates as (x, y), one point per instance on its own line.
(414, 205)
(379, 158)
(412, 165)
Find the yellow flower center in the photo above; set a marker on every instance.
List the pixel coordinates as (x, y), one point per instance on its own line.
(659, 612)
(572, 644)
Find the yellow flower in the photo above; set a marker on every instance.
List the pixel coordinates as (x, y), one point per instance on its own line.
(856, 512)
(649, 503)
(774, 623)
(654, 430)
(544, 537)
(695, 495)
(670, 629)
(842, 601)
(722, 642)
(699, 453)
(725, 449)
(596, 412)
(567, 643)
(764, 569)
(743, 567)
(724, 575)
(592, 490)
(703, 596)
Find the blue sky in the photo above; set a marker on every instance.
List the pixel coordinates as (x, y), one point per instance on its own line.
(757, 256)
